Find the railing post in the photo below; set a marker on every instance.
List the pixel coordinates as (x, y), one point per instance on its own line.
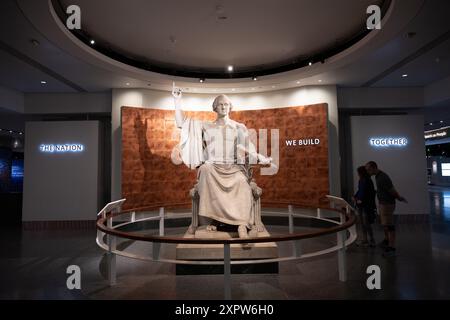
(111, 260)
(155, 250)
(133, 216)
(161, 221)
(347, 214)
(227, 270)
(342, 263)
(297, 248)
(291, 219)
(319, 213)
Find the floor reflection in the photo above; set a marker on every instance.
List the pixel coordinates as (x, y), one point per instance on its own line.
(440, 203)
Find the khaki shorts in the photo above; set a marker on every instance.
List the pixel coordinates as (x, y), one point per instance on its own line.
(386, 212)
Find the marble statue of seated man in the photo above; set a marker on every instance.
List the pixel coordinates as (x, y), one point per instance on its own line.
(218, 150)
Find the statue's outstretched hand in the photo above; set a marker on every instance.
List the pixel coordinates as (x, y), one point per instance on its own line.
(265, 160)
(176, 92)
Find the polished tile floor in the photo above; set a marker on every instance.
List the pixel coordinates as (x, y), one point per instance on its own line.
(33, 266)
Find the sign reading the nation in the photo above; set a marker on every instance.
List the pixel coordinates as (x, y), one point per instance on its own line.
(61, 148)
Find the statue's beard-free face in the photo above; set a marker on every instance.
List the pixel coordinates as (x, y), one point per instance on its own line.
(222, 108)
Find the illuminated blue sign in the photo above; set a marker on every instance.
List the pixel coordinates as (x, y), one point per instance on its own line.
(388, 142)
(61, 148)
(16, 171)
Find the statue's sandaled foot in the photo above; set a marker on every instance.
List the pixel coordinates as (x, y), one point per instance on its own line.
(253, 232)
(242, 231)
(260, 228)
(192, 229)
(211, 228)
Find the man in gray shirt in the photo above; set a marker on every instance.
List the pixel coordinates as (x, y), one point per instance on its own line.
(386, 195)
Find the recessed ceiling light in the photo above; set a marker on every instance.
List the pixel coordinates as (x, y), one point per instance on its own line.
(320, 80)
(233, 89)
(201, 80)
(310, 63)
(273, 86)
(10, 131)
(253, 88)
(404, 75)
(43, 82)
(20, 132)
(92, 41)
(431, 123)
(255, 78)
(230, 68)
(298, 82)
(441, 121)
(127, 83)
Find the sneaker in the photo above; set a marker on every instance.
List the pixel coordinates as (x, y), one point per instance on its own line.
(389, 252)
(383, 244)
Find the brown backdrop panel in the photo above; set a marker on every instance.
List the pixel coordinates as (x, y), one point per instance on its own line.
(150, 178)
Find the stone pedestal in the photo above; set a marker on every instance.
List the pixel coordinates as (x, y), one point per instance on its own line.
(253, 251)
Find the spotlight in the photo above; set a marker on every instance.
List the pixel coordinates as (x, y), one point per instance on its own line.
(254, 78)
(202, 80)
(92, 41)
(230, 68)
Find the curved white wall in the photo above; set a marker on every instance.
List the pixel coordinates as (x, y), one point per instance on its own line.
(191, 101)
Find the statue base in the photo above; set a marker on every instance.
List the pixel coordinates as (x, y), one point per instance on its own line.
(252, 251)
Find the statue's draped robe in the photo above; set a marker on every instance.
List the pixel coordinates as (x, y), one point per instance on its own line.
(223, 187)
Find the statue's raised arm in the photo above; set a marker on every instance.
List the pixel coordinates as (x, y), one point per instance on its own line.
(179, 116)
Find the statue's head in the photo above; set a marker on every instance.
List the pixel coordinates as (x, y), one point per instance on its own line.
(222, 105)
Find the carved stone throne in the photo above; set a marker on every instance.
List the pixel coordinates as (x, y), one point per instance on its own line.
(264, 250)
(257, 226)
